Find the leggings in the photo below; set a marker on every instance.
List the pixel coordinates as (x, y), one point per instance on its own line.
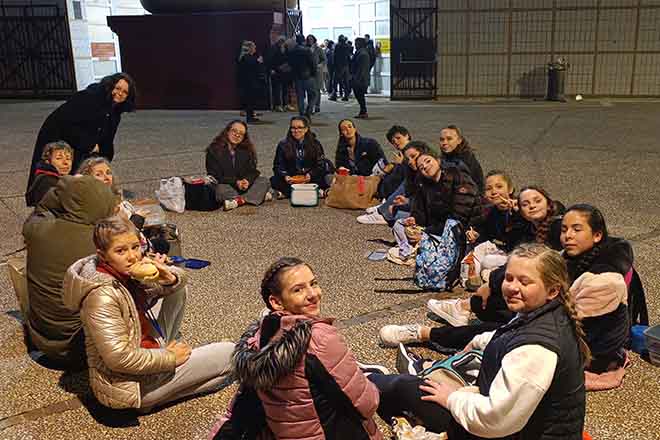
(400, 395)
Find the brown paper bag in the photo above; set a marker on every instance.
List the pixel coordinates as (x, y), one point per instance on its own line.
(353, 192)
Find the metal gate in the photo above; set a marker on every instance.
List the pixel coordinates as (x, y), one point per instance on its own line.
(36, 59)
(502, 47)
(414, 34)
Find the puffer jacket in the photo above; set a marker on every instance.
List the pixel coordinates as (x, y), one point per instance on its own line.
(118, 366)
(298, 380)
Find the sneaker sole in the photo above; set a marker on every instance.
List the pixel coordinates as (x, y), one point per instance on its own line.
(400, 262)
(370, 222)
(379, 368)
(447, 317)
(404, 363)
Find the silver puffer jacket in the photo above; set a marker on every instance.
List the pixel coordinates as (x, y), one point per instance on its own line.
(118, 366)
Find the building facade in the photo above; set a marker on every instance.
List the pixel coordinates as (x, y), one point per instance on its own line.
(327, 19)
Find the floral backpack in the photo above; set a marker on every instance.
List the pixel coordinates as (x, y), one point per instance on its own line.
(437, 266)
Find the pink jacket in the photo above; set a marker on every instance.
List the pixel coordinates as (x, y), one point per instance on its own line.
(306, 380)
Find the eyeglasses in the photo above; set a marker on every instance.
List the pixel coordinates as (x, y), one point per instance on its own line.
(297, 128)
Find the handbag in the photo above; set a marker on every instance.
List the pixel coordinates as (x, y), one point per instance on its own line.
(164, 233)
(461, 369)
(304, 194)
(200, 196)
(353, 192)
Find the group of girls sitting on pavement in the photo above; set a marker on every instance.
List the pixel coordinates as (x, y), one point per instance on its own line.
(550, 291)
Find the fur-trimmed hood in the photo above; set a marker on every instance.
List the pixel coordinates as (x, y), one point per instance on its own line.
(271, 349)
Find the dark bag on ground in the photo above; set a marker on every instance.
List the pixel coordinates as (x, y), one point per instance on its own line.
(200, 196)
(164, 239)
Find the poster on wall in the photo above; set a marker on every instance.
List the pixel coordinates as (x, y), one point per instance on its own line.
(384, 45)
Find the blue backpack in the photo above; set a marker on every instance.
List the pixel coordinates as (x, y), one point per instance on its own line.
(437, 264)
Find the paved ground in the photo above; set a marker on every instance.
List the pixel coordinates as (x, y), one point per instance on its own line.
(605, 153)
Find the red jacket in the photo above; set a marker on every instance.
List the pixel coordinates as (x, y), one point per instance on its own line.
(299, 380)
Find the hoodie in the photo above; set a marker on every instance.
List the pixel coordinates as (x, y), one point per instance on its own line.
(57, 234)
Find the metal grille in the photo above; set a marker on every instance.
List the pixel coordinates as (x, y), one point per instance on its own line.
(502, 47)
(36, 59)
(413, 25)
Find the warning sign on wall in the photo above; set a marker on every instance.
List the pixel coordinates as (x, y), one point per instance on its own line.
(384, 44)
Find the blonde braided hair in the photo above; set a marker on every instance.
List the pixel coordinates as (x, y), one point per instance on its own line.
(553, 272)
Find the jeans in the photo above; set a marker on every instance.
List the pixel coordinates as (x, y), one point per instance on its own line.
(384, 208)
(306, 87)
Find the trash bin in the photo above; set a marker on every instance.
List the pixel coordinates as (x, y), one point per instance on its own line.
(557, 80)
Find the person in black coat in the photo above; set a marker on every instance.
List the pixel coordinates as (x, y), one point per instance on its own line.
(342, 59)
(455, 148)
(232, 160)
(304, 74)
(280, 74)
(55, 162)
(250, 71)
(299, 158)
(88, 121)
(361, 75)
(357, 154)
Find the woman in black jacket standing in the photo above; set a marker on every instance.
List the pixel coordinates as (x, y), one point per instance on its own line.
(250, 70)
(361, 75)
(232, 160)
(88, 121)
(299, 158)
(357, 154)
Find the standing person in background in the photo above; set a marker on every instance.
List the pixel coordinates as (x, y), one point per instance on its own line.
(360, 68)
(318, 55)
(342, 57)
(250, 67)
(377, 86)
(88, 121)
(304, 74)
(330, 61)
(280, 74)
(371, 49)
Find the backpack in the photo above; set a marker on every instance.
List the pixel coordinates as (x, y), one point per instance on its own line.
(437, 265)
(461, 369)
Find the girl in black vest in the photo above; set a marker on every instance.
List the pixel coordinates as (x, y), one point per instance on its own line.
(299, 158)
(357, 154)
(530, 384)
(232, 160)
(597, 265)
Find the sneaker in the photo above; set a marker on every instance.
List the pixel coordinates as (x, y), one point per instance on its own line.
(279, 195)
(393, 335)
(268, 197)
(368, 369)
(449, 310)
(408, 362)
(372, 209)
(278, 109)
(372, 219)
(394, 257)
(290, 108)
(230, 204)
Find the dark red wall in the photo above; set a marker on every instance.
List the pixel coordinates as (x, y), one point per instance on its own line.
(188, 61)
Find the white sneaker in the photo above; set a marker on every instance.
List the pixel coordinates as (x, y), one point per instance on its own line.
(393, 335)
(230, 204)
(394, 257)
(449, 310)
(372, 219)
(268, 197)
(373, 209)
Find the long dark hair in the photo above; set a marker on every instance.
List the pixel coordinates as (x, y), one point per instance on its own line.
(221, 141)
(341, 141)
(108, 83)
(311, 145)
(579, 264)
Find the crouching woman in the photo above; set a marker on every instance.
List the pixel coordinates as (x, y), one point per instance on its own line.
(131, 319)
(299, 380)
